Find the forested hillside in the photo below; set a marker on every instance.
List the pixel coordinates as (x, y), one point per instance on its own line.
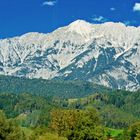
(118, 109)
(47, 88)
(98, 116)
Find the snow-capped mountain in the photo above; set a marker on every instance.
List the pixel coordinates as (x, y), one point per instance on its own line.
(106, 54)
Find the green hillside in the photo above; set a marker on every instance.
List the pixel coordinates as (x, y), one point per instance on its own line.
(58, 88)
(112, 115)
(36, 109)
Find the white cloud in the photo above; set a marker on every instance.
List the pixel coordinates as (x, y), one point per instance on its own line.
(99, 19)
(49, 3)
(112, 9)
(136, 7)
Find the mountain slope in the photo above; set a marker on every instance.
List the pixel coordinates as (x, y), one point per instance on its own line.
(106, 54)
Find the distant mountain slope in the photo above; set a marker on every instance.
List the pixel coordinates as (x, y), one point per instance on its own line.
(107, 54)
(49, 88)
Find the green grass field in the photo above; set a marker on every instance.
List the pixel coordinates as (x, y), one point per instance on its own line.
(113, 133)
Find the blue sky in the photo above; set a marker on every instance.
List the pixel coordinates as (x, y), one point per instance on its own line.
(21, 16)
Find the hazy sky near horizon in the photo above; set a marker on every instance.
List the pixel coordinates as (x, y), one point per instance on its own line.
(21, 16)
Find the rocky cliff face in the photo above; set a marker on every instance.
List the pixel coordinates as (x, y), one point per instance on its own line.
(106, 54)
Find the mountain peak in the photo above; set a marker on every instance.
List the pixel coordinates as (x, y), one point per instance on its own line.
(81, 27)
(79, 21)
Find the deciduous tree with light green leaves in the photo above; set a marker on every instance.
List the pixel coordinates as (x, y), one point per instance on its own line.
(78, 124)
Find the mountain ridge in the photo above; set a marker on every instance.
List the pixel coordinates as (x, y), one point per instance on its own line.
(106, 54)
